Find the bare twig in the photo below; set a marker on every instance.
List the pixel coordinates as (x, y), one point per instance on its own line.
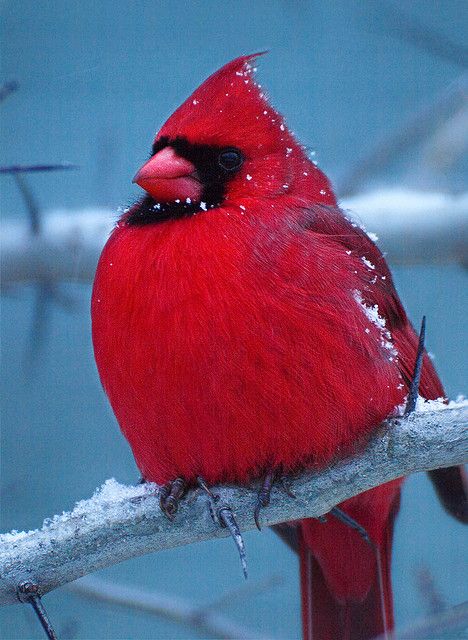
(442, 625)
(409, 28)
(206, 621)
(7, 88)
(37, 168)
(410, 133)
(28, 592)
(114, 526)
(30, 202)
(432, 597)
(448, 143)
(248, 589)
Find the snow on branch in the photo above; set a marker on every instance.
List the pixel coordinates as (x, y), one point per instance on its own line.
(414, 227)
(120, 522)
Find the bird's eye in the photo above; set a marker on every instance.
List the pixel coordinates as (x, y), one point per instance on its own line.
(230, 159)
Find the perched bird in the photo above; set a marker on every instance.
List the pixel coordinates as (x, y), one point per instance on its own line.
(243, 325)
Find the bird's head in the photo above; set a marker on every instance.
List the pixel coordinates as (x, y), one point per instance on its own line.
(225, 143)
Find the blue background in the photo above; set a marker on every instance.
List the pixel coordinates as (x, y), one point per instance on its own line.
(97, 80)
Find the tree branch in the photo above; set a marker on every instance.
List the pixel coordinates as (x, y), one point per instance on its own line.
(415, 227)
(444, 624)
(410, 133)
(205, 620)
(120, 522)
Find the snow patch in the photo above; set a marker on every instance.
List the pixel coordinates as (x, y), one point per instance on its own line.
(372, 313)
(368, 263)
(110, 495)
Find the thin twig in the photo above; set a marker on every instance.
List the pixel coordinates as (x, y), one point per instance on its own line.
(409, 28)
(444, 624)
(7, 88)
(246, 590)
(37, 168)
(29, 592)
(205, 620)
(112, 526)
(30, 202)
(410, 133)
(433, 599)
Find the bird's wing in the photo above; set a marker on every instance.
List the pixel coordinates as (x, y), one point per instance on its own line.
(451, 484)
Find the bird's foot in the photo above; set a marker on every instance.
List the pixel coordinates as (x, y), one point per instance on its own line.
(223, 516)
(264, 495)
(170, 495)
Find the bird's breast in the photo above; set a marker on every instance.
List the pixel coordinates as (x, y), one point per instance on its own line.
(227, 347)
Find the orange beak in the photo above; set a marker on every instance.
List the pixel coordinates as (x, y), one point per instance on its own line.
(168, 177)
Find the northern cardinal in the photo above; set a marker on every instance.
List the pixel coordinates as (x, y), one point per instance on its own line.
(242, 324)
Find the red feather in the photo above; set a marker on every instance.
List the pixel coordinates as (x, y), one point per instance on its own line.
(251, 336)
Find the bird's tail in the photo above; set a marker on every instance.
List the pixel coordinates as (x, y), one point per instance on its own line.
(346, 588)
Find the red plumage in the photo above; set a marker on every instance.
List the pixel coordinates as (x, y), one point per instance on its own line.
(246, 337)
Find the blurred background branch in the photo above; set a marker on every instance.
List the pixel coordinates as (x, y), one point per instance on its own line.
(204, 619)
(414, 227)
(433, 122)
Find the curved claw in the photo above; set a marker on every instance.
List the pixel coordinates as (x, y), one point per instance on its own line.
(227, 519)
(223, 516)
(257, 509)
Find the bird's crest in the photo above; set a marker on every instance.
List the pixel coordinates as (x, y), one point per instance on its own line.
(230, 107)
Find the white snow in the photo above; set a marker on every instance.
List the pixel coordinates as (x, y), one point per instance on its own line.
(423, 405)
(109, 495)
(372, 313)
(368, 263)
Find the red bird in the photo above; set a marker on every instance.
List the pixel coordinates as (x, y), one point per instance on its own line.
(243, 324)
